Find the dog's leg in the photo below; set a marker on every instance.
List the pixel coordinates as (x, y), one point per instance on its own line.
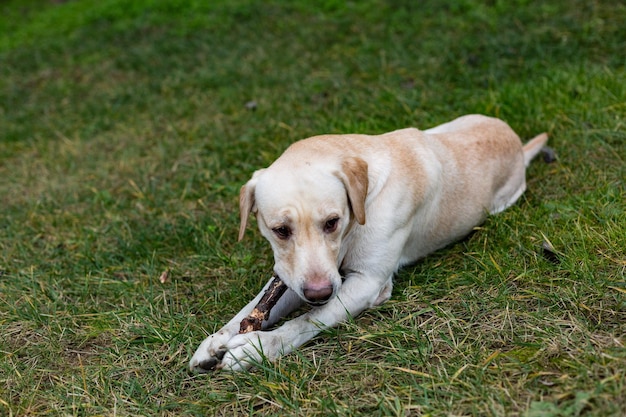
(211, 351)
(385, 292)
(357, 294)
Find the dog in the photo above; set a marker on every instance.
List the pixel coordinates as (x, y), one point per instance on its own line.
(343, 213)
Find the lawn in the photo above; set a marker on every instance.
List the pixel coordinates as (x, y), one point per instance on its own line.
(127, 128)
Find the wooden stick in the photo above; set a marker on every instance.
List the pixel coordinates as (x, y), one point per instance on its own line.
(262, 310)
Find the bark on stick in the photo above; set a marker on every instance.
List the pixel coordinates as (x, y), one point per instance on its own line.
(262, 310)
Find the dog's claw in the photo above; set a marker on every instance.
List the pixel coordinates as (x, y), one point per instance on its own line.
(210, 364)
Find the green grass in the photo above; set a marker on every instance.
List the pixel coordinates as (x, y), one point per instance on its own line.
(125, 136)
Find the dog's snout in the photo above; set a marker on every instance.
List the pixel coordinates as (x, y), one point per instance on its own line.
(317, 294)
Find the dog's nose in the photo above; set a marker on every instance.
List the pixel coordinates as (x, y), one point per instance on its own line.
(317, 295)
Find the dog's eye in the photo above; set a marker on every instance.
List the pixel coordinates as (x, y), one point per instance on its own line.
(282, 232)
(331, 225)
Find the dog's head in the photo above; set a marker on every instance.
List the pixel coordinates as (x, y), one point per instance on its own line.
(305, 210)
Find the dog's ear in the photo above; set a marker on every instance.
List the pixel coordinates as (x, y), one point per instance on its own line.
(353, 174)
(247, 204)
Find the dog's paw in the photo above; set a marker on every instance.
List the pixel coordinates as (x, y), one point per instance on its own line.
(209, 355)
(246, 350)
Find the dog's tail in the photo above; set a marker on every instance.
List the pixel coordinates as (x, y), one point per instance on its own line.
(533, 147)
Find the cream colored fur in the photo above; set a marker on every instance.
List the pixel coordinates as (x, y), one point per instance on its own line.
(344, 212)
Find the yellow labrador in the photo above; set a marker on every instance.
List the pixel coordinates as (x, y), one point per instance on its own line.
(344, 212)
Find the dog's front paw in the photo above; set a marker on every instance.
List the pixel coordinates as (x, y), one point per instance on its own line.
(246, 350)
(211, 351)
